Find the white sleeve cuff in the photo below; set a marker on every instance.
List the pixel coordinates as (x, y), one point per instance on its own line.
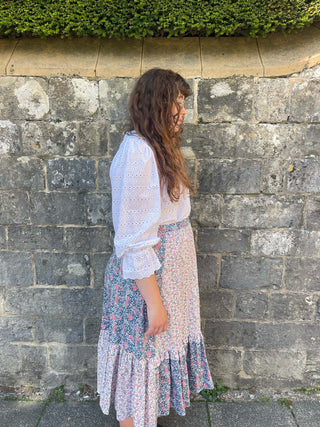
(140, 264)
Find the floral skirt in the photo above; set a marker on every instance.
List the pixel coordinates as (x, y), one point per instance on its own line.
(145, 377)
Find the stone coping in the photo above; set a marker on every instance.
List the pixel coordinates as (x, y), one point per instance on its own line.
(276, 55)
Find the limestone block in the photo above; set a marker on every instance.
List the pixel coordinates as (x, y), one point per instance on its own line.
(208, 269)
(291, 307)
(222, 241)
(262, 211)
(23, 173)
(272, 100)
(72, 358)
(116, 134)
(71, 174)
(211, 140)
(100, 261)
(273, 175)
(82, 239)
(114, 95)
(3, 243)
(104, 175)
(216, 304)
(223, 100)
(229, 176)
(312, 140)
(93, 138)
(306, 93)
(62, 269)
(226, 334)
(304, 176)
(288, 365)
(14, 207)
(285, 242)
(24, 98)
(302, 274)
(58, 329)
(227, 362)
(92, 329)
(313, 213)
(313, 365)
(9, 138)
(251, 272)
(16, 328)
(73, 99)
(53, 302)
(49, 138)
(31, 237)
(33, 359)
(205, 210)
(99, 209)
(9, 358)
(16, 269)
(57, 208)
(251, 305)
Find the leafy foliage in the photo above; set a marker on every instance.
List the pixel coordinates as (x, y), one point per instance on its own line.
(164, 18)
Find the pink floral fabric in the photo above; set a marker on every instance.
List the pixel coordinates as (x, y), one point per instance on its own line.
(145, 377)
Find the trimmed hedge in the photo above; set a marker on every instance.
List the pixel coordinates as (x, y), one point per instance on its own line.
(142, 18)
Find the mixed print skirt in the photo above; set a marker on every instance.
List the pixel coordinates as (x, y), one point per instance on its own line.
(145, 377)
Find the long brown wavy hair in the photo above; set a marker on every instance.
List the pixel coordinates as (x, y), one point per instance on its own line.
(150, 111)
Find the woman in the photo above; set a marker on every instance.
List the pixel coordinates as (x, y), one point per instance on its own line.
(151, 352)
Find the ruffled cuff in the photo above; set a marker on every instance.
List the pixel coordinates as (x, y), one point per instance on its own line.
(139, 264)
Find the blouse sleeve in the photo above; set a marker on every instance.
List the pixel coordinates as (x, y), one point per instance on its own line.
(136, 208)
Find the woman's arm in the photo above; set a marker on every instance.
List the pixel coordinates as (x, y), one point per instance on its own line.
(157, 315)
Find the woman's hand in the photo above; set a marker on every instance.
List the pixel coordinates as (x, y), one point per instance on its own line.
(157, 319)
(157, 315)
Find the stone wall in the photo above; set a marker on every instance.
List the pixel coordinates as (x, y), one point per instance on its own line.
(252, 147)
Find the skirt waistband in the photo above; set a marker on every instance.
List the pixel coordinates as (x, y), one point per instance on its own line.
(174, 225)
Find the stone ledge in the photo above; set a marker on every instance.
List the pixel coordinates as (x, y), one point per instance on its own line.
(275, 55)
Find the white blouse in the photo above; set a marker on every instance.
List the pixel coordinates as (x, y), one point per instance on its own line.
(139, 207)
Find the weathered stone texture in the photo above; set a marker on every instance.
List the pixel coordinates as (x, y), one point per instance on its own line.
(252, 147)
(284, 307)
(251, 305)
(49, 138)
(275, 364)
(251, 272)
(71, 174)
(99, 209)
(302, 274)
(216, 304)
(262, 212)
(62, 269)
(229, 176)
(305, 176)
(22, 173)
(73, 99)
(14, 207)
(24, 98)
(222, 241)
(16, 269)
(113, 96)
(9, 138)
(306, 93)
(58, 329)
(57, 208)
(224, 100)
(272, 100)
(31, 237)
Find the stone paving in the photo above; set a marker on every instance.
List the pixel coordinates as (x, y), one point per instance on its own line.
(200, 414)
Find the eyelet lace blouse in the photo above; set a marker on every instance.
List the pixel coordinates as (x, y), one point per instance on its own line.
(139, 207)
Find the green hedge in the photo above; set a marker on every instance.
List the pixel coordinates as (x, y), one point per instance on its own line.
(141, 18)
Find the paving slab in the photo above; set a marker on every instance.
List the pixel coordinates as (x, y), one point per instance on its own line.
(229, 414)
(19, 413)
(307, 413)
(77, 414)
(196, 416)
